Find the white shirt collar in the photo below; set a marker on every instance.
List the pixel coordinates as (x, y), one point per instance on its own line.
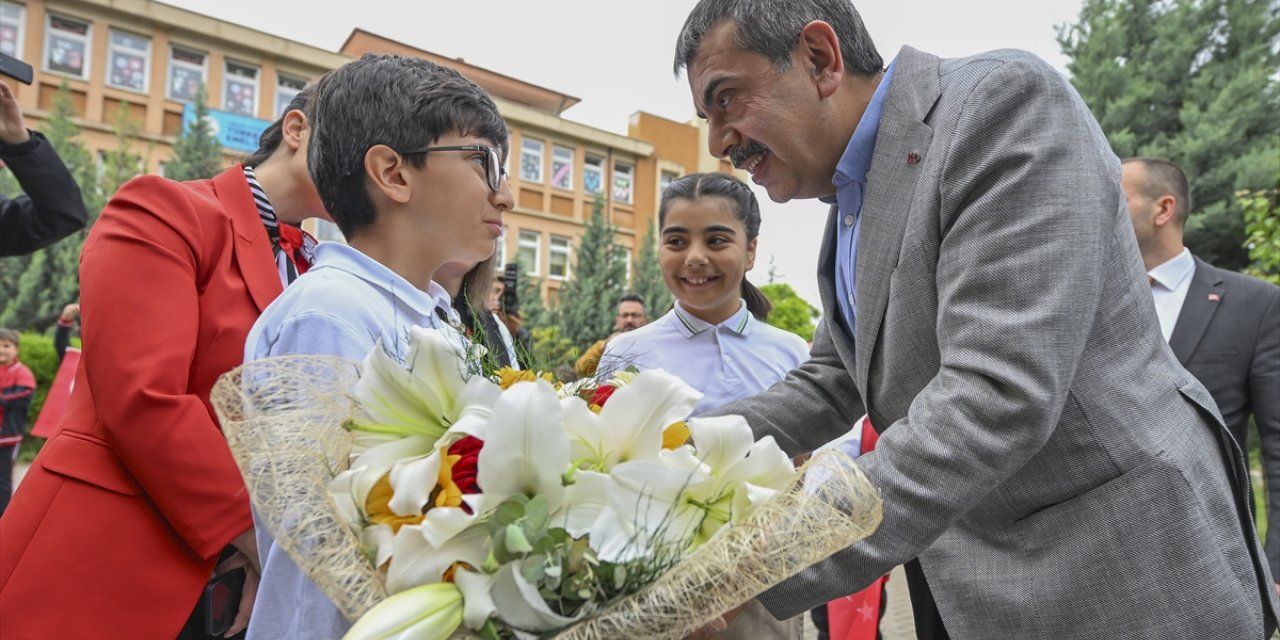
(1174, 272)
(690, 325)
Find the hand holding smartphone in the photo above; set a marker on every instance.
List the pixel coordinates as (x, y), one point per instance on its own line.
(221, 601)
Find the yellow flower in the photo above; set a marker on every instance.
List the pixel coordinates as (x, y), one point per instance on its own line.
(377, 505)
(449, 495)
(508, 376)
(675, 435)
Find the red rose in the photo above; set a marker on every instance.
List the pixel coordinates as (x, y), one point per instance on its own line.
(602, 394)
(465, 469)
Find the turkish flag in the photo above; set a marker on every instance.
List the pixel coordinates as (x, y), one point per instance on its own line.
(857, 616)
(55, 404)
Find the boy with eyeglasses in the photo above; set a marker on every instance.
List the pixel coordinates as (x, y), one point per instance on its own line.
(407, 156)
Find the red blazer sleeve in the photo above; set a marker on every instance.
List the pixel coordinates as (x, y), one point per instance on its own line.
(140, 304)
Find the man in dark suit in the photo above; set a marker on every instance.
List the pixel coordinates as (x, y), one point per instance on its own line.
(51, 208)
(1224, 327)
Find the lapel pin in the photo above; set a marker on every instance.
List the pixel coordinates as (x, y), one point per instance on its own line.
(913, 158)
(1213, 297)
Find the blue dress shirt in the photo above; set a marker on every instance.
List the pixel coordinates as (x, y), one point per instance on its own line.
(850, 181)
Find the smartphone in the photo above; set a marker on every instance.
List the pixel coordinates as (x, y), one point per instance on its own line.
(221, 601)
(15, 68)
(510, 284)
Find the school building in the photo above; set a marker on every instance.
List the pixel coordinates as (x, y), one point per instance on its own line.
(151, 58)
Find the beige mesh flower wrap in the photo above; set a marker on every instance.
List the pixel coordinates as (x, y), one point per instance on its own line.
(283, 418)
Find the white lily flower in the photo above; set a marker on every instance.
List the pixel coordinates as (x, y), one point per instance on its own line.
(683, 498)
(630, 425)
(426, 394)
(415, 561)
(428, 612)
(477, 598)
(525, 448)
(350, 488)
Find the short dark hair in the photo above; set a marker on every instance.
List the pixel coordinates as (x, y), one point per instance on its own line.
(273, 135)
(631, 297)
(1164, 178)
(9, 335)
(401, 102)
(744, 206)
(772, 28)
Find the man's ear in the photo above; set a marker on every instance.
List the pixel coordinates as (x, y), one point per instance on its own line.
(295, 129)
(1166, 210)
(387, 173)
(818, 52)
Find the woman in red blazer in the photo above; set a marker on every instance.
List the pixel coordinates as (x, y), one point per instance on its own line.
(120, 520)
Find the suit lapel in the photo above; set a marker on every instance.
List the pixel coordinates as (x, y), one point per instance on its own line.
(891, 182)
(252, 246)
(1204, 294)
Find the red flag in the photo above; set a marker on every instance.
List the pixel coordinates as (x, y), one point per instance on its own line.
(857, 617)
(55, 404)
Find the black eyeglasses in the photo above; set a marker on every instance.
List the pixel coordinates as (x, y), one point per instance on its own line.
(493, 171)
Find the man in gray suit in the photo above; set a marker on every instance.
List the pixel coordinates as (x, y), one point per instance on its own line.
(1043, 456)
(1224, 327)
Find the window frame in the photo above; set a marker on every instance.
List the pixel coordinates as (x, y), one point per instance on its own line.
(553, 251)
(113, 48)
(630, 173)
(189, 66)
(535, 244)
(568, 174)
(594, 167)
(85, 39)
(291, 92)
(19, 25)
(541, 155)
(228, 78)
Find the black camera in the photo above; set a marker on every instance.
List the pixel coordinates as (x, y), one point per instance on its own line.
(15, 68)
(510, 293)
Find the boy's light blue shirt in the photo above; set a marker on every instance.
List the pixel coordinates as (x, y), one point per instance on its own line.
(342, 307)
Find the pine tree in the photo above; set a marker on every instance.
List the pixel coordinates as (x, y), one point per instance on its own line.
(1193, 81)
(588, 300)
(196, 153)
(647, 279)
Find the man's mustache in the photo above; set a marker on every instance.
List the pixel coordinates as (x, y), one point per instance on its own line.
(740, 154)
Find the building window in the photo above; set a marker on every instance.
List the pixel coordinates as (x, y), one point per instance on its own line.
(186, 74)
(500, 252)
(129, 61)
(527, 253)
(12, 19)
(240, 89)
(623, 255)
(665, 180)
(593, 175)
(623, 182)
(558, 267)
(531, 160)
(66, 46)
(287, 88)
(562, 167)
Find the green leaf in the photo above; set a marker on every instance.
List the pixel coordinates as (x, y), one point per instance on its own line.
(515, 541)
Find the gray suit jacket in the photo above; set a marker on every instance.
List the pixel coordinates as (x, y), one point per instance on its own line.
(1228, 336)
(1055, 470)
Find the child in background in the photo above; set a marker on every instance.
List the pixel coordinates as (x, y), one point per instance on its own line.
(715, 337)
(411, 169)
(17, 384)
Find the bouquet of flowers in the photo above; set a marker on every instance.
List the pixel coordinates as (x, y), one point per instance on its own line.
(428, 499)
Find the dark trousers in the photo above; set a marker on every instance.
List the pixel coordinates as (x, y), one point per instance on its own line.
(923, 608)
(7, 457)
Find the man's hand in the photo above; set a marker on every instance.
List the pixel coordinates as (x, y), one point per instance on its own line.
(70, 312)
(711, 629)
(13, 129)
(246, 556)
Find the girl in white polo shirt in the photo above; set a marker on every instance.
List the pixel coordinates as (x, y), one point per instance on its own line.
(715, 337)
